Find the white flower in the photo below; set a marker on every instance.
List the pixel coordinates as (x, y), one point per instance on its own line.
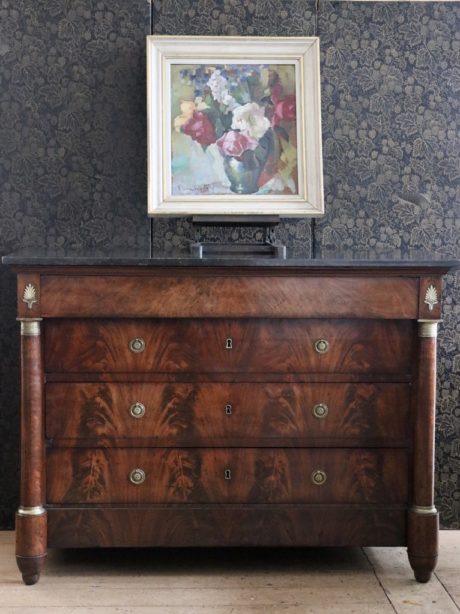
(218, 86)
(230, 102)
(219, 90)
(250, 118)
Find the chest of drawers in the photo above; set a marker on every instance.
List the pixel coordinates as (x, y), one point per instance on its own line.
(205, 405)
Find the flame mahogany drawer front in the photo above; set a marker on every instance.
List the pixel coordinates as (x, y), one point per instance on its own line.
(229, 346)
(174, 475)
(189, 294)
(206, 413)
(170, 403)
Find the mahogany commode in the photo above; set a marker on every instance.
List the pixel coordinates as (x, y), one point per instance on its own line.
(255, 402)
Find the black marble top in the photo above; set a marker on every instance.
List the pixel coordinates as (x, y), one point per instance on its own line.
(137, 257)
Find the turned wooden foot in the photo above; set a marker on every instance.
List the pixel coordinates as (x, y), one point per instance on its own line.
(30, 567)
(30, 545)
(421, 575)
(422, 543)
(422, 566)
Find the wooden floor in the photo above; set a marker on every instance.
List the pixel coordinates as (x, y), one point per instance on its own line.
(236, 581)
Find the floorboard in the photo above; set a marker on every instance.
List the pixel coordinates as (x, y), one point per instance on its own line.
(232, 581)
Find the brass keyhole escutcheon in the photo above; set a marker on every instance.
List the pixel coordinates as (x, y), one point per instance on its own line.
(137, 410)
(321, 346)
(229, 343)
(137, 476)
(137, 345)
(318, 477)
(228, 409)
(228, 474)
(320, 410)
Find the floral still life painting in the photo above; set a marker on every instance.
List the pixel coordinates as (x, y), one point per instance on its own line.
(234, 126)
(234, 129)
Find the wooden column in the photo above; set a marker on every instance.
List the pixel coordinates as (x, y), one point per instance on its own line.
(423, 518)
(31, 539)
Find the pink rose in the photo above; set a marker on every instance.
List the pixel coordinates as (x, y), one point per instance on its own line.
(200, 128)
(276, 92)
(284, 109)
(234, 143)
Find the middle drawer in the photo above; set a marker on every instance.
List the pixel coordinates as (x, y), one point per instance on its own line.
(229, 346)
(172, 414)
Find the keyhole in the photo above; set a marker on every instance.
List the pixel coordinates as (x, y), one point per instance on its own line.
(229, 343)
(228, 474)
(228, 410)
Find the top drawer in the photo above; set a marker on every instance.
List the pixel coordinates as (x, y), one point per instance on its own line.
(229, 346)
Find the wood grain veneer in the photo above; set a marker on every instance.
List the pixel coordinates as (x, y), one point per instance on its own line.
(202, 413)
(260, 345)
(175, 475)
(375, 445)
(226, 525)
(250, 295)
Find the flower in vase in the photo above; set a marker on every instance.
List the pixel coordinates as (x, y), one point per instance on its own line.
(218, 86)
(200, 128)
(250, 119)
(276, 92)
(235, 143)
(187, 108)
(219, 90)
(284, 109)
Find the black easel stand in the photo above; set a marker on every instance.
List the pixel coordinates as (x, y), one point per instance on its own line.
(266, 247)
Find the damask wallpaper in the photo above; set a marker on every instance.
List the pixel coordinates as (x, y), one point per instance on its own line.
(72, 150)
(72, 153)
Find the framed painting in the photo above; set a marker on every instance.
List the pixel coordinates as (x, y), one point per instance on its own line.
(234, 126)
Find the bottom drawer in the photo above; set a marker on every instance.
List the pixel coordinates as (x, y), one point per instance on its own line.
(211, 475)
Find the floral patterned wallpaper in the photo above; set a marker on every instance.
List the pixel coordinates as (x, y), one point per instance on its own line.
(72, 150)
(390, 74)
(72, 154)
(391, 146)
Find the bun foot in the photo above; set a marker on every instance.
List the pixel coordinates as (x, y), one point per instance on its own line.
(28, 580)
(422, 567)
(30, 568)
(422, 575)
(422, 544)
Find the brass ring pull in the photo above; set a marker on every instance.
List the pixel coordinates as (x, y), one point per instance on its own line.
(137, 410)
(321, 346)
(320, 410)
(137, 345)
(137, 476)
(318, 477)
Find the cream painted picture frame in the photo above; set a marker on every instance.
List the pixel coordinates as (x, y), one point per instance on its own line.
(234, 126)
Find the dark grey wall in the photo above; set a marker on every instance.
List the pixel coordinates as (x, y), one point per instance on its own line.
(72, 153)
(72, 149)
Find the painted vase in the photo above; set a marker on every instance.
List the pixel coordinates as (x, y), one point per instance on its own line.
(244, 172)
